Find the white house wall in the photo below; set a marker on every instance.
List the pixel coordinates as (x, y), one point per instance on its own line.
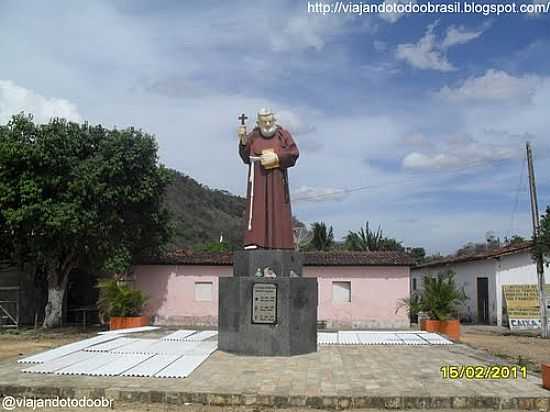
(465, 277)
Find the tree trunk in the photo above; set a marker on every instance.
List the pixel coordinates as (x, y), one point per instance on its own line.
(56, 292)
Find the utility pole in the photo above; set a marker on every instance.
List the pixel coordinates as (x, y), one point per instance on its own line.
(536, 230)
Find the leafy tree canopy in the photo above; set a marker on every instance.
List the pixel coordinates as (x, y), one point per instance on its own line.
(72, 191)
(322, 237)
(542, 244)
(212, 247)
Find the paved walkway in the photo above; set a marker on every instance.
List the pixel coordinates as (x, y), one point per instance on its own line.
(335, 377)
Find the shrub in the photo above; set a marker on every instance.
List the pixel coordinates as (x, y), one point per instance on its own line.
(441, 297)
(116, 298)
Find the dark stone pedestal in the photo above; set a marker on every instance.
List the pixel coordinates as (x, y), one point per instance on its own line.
(286, 328)
(282, 262)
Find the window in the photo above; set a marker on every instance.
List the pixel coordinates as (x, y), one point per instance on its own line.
(341, 292)
(203, 291)
(414, 283)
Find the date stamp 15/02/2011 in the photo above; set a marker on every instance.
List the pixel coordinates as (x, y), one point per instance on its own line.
(480, 372)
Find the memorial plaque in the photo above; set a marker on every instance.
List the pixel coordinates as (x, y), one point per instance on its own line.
(264, 303)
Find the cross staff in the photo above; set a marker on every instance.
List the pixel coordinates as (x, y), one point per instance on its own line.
(243, 118)
(242, 129)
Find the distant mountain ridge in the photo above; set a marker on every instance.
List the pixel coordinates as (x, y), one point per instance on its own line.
(200, 214)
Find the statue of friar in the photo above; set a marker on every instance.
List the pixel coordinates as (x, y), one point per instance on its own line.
(269, 150)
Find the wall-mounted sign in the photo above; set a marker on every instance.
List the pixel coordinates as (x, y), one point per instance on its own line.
(522, 305)
(264, 303)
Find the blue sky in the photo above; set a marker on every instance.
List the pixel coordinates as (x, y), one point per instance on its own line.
(427, 115)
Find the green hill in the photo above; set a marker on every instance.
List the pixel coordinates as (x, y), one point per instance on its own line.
(201, 214)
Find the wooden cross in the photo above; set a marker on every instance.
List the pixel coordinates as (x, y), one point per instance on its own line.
(243, 118)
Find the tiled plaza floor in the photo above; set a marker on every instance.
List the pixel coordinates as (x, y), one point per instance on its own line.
(334, 377)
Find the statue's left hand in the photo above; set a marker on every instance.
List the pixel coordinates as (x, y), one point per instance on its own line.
(269, 160)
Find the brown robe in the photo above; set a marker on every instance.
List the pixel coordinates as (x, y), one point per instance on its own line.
(271, 213)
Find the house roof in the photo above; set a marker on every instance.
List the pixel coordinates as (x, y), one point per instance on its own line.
(486, 254)
(310, 259)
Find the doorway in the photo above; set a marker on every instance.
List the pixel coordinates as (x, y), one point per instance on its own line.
(483, 300)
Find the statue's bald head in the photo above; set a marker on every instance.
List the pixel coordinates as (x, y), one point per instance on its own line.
(266, 122)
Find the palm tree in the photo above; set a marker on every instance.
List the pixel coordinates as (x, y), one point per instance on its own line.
(322, 239)
(369, 240)
(365, 239)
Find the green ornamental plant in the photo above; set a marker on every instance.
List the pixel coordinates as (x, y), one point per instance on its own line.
(441, 297)
(118, 299)
(413, 304)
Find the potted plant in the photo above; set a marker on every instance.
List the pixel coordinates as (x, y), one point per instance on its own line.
(413, 305)
(419, 311)
(442, 298)
(121, 304)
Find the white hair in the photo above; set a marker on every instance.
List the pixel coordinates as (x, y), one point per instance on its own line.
(266, 112)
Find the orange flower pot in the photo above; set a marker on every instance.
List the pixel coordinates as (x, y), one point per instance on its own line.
(546, 376)
(430, 325)
(118, 322)
(451, 328)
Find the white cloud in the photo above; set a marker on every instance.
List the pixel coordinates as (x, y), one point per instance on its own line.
(423, 161)
(459, 35)
(393, 17)
(425, 54)
(459, 152)
(294, 122)
(307, 31)
(379, 71)
(15, 99)
(317, 194)
(429, 53)
(494, 85)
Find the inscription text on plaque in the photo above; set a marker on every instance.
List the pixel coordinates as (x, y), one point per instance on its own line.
(264, 303)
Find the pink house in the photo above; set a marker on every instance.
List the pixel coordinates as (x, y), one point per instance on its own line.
(357, 290)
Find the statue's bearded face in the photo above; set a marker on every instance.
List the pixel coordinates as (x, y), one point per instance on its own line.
(267, 125)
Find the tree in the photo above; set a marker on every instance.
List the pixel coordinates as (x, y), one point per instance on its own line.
(71, 193)
(200, 214)
(492, 241)
(369, 240)
(6, 249)
(391, 244)
(365, 239)
(323, 238)
(212, 247)
(514, 240)
(418, 254)
(542, 243)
